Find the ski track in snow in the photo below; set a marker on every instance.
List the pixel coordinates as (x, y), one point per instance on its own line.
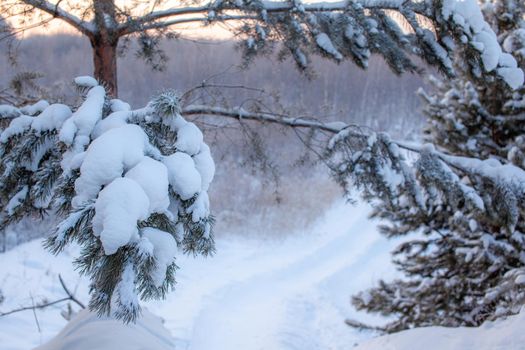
(292, 293)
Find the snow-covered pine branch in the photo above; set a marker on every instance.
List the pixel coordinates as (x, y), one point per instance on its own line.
(467, 262)
(402, 32)
(467, 203)
(376, 164)
(131, 187)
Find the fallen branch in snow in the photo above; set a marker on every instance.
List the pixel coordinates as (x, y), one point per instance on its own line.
(42, 305)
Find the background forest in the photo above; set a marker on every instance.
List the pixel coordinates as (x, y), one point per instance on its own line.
(341, 92)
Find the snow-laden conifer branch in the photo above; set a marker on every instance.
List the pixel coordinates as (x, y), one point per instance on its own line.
(282, 6)
(466, 263)
(468, 209)
(343, 131)
(130, 186)
(354, 30)
(342, 30)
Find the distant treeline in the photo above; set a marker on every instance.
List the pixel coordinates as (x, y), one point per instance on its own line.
(255, 188)
(376, 97)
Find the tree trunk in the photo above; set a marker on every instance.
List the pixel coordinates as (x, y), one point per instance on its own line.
(105, 63)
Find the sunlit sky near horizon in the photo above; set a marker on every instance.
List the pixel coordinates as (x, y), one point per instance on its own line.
(213, 32)
(217, 31)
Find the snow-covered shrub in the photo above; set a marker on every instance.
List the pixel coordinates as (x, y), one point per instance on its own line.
(463, 198)
(131, 186)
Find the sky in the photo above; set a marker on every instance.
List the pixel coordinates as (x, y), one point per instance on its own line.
(187, 30)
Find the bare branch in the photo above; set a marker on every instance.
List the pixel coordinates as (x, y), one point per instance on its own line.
(239, 113)
(68, 292)
(70, 297)
(37, 306)
(332, 127)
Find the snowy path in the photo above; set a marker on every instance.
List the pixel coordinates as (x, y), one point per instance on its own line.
(253, 294)
(292, 294)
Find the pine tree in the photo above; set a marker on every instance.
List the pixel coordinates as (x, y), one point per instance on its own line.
(130, 185)
(460, 207)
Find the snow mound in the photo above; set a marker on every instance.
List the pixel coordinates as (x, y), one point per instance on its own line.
(87, 331)
(501, 334)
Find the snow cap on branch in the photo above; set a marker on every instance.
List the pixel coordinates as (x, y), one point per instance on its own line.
(129, 185)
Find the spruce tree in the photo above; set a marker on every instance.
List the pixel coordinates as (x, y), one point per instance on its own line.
(130, 185)
(459, 207)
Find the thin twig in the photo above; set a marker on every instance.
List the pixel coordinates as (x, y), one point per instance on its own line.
(70, 297)
(34, 314)
(37, 306)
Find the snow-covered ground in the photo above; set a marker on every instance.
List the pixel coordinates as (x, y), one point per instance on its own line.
(498, 335)
(291, 293)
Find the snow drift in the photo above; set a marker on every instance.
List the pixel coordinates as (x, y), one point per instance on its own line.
(498, 335)
(87, 331)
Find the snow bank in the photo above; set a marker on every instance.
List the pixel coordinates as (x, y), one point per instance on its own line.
(298, 287)
(87, 331)
(502, 334)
